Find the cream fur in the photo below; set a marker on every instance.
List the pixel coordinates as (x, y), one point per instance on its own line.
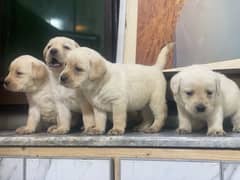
(197, 85)
(31, 76)
(117, 88)
(72, 102)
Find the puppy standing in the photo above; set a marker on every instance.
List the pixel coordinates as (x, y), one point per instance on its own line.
(205, 96)
(117, 88)
(31, 76)
(55, 54)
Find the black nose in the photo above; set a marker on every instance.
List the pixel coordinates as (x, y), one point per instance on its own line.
(6, 83)
(200, 108)
(53, 51)
(63, 78)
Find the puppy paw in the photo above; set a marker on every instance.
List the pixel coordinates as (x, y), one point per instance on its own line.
(87, 130)
(57, 130)
(115, 132)
(94, 131)
(236, 129)
(183, 131)
(51, 128)
(24, 130)
(151, 130)
(216, 132)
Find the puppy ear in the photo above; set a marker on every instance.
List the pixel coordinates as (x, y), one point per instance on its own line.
(45, 52)
(39, 72)
(175, 84)
(97, 68)
(76, 45)
(218, 88)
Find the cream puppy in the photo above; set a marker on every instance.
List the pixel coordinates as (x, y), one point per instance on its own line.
(31, 76)
(117, 88)
(55, 53)
(205, 96)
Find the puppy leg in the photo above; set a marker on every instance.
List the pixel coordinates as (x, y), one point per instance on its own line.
(147, 120)
(87, 116)
(236, 122)
(184, 123)
(159, 109)
(63, 120)
(215, 124)
(100, 122)
(119, 119)
(32, 122)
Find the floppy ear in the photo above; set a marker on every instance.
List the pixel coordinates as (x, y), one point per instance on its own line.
(175, 84)
(218, 88)
(45, 52)
(39, 72)
(97, 68)
(76, 45)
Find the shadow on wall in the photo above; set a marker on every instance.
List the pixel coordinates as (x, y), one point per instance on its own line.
(208, 31)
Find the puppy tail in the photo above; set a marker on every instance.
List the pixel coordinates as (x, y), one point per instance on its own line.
(163, 55)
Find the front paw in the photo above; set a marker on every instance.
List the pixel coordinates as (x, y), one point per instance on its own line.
(151, 130)
(216, 132)
(88, 130)
(24, 130)
(57, 130)
(116, 132)
(94, 131)
(183, 131)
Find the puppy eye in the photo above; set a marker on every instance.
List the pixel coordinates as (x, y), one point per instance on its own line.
(209, 93)
(19, 73)
(66, 47)
(189, 93)
(48, 47)
(78, 69)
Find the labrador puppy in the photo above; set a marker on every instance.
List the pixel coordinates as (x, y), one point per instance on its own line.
(54, 54)
(205, 96)
(117, 88)
(31, 76)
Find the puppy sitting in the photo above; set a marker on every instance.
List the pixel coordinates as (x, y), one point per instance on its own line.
(203, 95)
(117, 88)
(54, 55)
(31, 76)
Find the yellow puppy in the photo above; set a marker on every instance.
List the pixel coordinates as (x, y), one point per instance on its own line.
(117, 88)
(31, 76)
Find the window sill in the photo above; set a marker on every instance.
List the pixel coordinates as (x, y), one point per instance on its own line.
(165, 139)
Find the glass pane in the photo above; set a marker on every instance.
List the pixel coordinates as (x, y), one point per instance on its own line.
(28, 25)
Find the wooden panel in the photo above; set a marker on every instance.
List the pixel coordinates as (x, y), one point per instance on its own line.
(130, 32)
(156, 27)
(157, 153)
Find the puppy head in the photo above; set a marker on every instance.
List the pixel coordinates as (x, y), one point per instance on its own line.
(26, 74)
(56, 51)
(82, 65)
(196, 89)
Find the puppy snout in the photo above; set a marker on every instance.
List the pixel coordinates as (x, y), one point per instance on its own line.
(63, 78)
(200, 108)
(53, 51)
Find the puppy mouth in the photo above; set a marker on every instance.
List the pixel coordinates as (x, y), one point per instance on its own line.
(54, 63)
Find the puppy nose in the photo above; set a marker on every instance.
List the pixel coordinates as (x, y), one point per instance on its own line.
(200, 108)
(6, 83)
(53, 51)
(63, 78)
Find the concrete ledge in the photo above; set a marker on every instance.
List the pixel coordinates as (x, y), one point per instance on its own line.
(165, 139)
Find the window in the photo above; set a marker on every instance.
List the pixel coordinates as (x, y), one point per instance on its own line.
(26, 26)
